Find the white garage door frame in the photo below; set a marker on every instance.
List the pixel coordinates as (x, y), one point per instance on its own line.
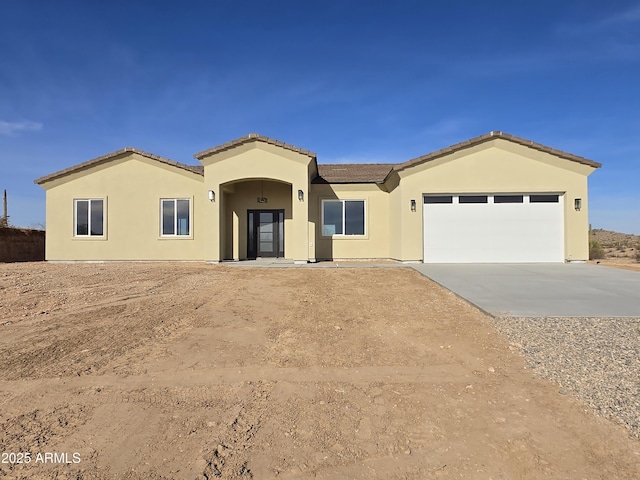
(493, 228)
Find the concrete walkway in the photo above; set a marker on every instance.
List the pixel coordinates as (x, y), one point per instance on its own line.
(286, 263)
(542, 290)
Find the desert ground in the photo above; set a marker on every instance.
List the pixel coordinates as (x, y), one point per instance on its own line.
(194, 371)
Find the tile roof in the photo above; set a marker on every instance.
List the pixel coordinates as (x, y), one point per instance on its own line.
(378, 173)
(490, 136)
(328, 173)
(110, 156)
(353, 172)
(252, 137)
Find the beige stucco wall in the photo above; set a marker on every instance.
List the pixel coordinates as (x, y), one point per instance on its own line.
(256, 161)
(374, 243)
(493, 167)
(132, 187)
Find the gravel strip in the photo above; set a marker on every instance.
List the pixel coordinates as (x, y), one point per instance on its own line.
(598, 359)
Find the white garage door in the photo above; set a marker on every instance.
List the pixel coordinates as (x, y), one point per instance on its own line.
(493, 228)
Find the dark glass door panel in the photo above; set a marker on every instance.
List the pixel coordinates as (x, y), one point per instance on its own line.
(265, 237)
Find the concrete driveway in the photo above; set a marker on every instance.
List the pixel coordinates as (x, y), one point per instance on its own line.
(542, 290)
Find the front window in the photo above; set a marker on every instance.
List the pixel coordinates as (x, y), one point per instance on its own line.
(342, 217)
(175, 216)
(89, 218)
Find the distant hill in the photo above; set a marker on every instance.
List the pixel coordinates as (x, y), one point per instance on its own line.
(615, 239)
(617, 247)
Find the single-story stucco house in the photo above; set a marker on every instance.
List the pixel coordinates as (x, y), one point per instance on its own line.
(494, 198)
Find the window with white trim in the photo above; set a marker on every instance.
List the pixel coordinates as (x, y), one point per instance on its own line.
(175, 217)
(342, 217)
(89, 217)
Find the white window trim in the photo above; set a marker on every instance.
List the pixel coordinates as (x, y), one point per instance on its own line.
(175, 218)
(343, 235)
(75, 218)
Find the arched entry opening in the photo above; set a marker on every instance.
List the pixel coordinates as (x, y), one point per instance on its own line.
(255, 217)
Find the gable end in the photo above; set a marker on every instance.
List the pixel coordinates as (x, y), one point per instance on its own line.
(493, 135)
(199, 170)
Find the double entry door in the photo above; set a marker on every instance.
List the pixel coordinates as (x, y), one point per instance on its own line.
(265, 233)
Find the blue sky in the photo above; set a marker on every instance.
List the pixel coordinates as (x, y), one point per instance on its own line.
(353, 81)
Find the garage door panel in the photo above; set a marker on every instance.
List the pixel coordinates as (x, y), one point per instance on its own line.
(502, 232)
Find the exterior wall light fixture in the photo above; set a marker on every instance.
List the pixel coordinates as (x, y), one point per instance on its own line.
(262, 198)
(300, 195)
(413, 205)
(212, 196)
(577, 204)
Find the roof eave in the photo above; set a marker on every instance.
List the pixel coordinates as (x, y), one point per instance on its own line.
(109, 156)
(495, 134)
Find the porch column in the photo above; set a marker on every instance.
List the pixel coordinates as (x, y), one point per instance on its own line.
(212, 230)
(300, 211)
(235, 237)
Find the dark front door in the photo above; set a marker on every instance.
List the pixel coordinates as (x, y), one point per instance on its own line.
(265, 233)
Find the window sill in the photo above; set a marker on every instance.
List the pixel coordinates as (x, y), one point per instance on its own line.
(176, 237)
(88, 238)
(345, 237)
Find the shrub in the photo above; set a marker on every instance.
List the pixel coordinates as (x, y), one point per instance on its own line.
(595, 250)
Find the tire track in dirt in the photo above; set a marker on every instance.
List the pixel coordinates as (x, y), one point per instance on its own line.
(203, 388)
(452, 373)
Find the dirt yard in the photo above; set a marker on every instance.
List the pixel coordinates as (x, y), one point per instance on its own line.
(634, 267)
(193, 371)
